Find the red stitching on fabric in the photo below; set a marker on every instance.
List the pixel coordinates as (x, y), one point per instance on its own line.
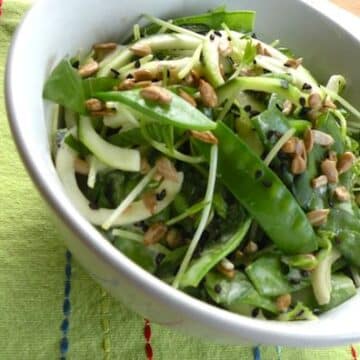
(147, 336)
(1, 3)
(354, 353)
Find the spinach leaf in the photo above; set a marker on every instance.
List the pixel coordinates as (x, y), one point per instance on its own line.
(137, 252)
(203, 23)
(268, 277)
(93, 85)
(237, 294)
(65, 87)
(127, 138)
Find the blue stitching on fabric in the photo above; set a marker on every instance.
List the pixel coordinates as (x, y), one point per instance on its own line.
(256, 353)
(64, 327)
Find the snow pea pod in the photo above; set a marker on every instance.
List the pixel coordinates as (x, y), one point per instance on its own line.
(178, 113)
(262, 193)
(198, 268)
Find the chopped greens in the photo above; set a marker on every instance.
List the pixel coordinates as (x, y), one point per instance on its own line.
(216, 162)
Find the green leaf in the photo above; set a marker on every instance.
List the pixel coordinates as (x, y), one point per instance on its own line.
(178, 113)
(127, 138)
(237, 295)
(203, 23)
(94, 85)
(267, 277)
(249, 53)
(137, 252)
(65, 87)
(76, 145)
(213, 254)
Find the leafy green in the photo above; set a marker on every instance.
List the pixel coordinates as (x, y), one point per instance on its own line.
(249, 53)
(268, 277)
(299, 312)
(127, 138)
(94, 85)
(237, 294)
(65, 87)
(171, 262)
(76, 145)
(213, 254)
(270, 126)
(180, 114)
(137, 252)
(203, 23)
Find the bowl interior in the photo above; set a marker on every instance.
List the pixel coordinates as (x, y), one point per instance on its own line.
(53, 30)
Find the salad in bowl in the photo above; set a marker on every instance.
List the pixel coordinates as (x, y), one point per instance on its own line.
(216, 162)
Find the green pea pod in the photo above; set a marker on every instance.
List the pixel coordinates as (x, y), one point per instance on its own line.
(237, 294)
(267, 275)
(212, 255)
(262, 193)
(178, 113)
(300, 312)
(264, 84)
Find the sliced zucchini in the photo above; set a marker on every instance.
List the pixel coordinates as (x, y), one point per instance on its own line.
(211, 59)
(136, 212)
(157, 43)
(114, 156)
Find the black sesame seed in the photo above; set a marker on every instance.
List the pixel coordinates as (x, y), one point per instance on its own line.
(212, 37)
(316, 311)
(130, 76)
(159, 258)
(229, 38)
(115, 72)
(287, 64)
(76, 64)
(217, 33)
(254, 113)
(302, 101)
(284, 84)
(217, 288)
(307, 86)
(294, 281)
(93, 205)
(168, 73)
(300, 313)
(161, 195)
(142, 225)
(258, 174)
(247, 108)
(267, 183)
(253, 35)
(305, 273)
(254, 62)
(137, 63)
(304, 111)
(279, 107)
(255, 312)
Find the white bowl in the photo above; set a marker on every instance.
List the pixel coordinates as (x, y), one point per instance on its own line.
(53, 29)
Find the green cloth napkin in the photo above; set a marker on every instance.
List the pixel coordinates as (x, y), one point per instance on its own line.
(50, 308)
